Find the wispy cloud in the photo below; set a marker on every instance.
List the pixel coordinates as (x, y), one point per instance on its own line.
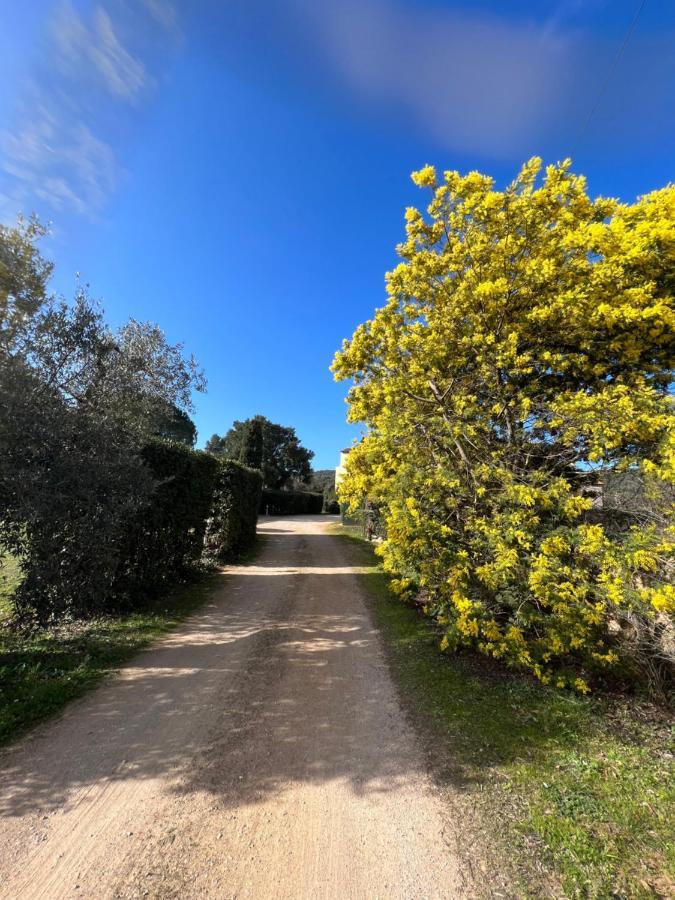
(59, 162)
(475, 83)
(163, 11)
(59, 152)
(496, 85)
(95, 48)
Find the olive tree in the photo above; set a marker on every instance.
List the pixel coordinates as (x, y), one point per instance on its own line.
(77, 403)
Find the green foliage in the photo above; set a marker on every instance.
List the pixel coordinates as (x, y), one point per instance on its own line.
(67, 511)
(330, 502)
(274, 449)
(290, 503)
(214, 445)
(524, 351)
(234, 515)
(174, 424)
(252, 453)
(10, 579)
(165, 540)
(198, 508)
(78, 402)
(576, 794)
(322, 479)
(23, 279)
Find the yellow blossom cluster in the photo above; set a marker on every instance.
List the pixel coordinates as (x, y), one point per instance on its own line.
(523, 357)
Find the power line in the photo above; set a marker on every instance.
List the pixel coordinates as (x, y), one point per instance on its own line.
(611, 70)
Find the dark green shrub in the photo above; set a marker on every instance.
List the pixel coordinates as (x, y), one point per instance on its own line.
(88, 557)
(290, 503)
(165, 541)
(234, 514)
(77, 483)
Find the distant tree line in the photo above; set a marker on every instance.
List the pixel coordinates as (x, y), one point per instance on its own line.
(271, 448)
(323, 481)
(285, 464)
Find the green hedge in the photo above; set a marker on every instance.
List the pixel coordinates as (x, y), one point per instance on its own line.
(203, 510)
(234, 515)
(189, 508)
(166, 539)
(290, 503)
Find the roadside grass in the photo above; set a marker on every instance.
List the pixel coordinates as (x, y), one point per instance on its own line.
(355, 531)
(576, 795)
(42, 671)
(10, 576)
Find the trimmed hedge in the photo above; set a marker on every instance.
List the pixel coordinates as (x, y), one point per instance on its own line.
(189, 508)
(234, 515)
(68, 515)
(202, 510)
(166, 539)
(290, 503)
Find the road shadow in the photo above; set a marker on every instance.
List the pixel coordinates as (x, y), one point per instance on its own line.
(278, 679)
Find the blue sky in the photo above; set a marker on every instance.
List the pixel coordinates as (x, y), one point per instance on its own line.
(238, 171)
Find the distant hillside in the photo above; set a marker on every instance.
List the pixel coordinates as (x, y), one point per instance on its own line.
(321, 479)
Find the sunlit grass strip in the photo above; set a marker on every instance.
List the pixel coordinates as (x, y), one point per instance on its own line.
(10, 576)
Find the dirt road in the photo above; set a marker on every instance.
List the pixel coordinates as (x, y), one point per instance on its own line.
(259, 752)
